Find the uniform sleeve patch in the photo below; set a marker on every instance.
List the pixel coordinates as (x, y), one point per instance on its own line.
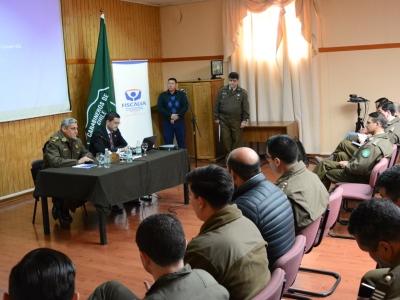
(365, 153)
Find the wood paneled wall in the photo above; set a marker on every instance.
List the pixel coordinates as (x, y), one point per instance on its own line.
(133, 31)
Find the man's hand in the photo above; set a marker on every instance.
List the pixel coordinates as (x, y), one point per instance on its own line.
(363, 130)
(174, 117)
(243, 124)
(343, 164)
(84, 159)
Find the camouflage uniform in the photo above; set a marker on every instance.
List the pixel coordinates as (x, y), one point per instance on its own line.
(360, 165)
(61, 152)
(231, 109)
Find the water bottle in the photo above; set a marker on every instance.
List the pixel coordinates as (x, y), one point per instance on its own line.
(107, 160)
(138, 148)
(128, 154)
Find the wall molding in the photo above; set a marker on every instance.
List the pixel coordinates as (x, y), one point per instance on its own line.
(359, 47)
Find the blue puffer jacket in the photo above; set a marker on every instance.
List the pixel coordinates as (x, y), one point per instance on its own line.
(268, 207)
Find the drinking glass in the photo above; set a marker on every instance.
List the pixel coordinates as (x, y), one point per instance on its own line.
(101, 160)
(144, 148)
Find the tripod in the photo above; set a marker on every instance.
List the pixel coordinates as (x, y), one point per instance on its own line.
(194, 126)
(359, 123)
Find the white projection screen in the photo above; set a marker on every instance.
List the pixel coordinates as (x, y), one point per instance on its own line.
(33, 75)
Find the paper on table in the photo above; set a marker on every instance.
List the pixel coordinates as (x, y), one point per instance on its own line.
(85, 166)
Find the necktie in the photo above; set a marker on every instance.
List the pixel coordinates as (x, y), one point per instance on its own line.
(111, 141)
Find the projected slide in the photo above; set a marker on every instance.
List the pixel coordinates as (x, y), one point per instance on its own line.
(33, 76)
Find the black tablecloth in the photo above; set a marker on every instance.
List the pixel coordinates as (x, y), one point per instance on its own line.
(121, 183)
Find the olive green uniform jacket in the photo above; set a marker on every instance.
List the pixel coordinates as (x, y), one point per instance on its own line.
(360, 165)
(61, 152)
(231, 108)
(307, 194)
(230, 247)
(389, 284)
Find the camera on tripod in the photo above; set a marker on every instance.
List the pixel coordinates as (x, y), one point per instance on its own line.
(355, 98)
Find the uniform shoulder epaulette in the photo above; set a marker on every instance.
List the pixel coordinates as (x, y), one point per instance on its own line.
(54, 138)
(383, 287)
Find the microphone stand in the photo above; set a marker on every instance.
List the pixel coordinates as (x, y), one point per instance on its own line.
(194, 126)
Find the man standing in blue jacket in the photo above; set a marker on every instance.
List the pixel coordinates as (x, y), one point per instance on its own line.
(173, 104)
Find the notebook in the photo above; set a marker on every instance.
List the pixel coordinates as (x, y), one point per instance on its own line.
(150, 142)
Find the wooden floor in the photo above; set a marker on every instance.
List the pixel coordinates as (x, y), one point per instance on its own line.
(120, 258)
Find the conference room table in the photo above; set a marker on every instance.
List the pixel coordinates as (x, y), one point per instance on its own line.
(105, 187)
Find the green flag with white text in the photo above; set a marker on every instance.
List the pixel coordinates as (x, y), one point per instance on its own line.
(101, 96)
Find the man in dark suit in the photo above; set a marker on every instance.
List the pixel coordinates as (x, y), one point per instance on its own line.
(108, 135)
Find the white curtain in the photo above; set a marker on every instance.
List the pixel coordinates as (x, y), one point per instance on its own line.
(274, 51)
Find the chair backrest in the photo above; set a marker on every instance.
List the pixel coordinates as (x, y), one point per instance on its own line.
(274, 288)
(291, 260)
(395, 154)
(35, 168)
(331, 214)
(380, 166)
(311, 232)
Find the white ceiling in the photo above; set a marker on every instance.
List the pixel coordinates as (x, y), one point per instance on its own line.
(162, 2)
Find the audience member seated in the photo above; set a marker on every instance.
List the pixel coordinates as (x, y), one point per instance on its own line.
(346, 149)
(44, 274)
(375, 225)
(65, 149)
(304, 190)
(229, 246)
(359, 167)
(162, 243)
(388, 184)
(262, 202)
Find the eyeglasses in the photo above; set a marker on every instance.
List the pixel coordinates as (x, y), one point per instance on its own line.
(268, 157)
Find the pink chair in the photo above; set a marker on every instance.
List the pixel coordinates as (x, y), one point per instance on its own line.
(311, 233)
(395, 155)
(274, 288)
(361, 191)
(315, 238)
(291, 260)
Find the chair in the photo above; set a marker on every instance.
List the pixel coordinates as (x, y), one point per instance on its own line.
(274, 288)
(361, 191)
(395, 155)
(36, 165)
(291, 260)
(328, 220)
(35, 168)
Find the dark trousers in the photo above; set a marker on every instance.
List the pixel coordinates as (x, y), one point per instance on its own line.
(178, 129)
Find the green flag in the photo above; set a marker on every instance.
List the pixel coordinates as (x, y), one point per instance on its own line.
(101, 96)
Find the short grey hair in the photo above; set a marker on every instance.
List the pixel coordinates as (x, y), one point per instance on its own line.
(67, 122)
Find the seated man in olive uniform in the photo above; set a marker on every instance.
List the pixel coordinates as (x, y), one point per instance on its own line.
(346, 148)
(65, 149)
(304, 190)
(358, 168)
(388, 184)
(375, 225)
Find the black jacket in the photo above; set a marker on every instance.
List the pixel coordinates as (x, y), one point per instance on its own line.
(269, 209)
(100, 140)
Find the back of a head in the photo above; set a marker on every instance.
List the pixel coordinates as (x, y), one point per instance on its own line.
(212, 183)
(390, 180)
(388, 106)
(284, 147)
(44, 274)
(162, 238)
(381, 101)
(375, 220)
(245, 162)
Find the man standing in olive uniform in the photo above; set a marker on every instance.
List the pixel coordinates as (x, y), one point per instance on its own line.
(173, 104)
(359, 167)
(231, 111)
(375, 225)
(65, 149)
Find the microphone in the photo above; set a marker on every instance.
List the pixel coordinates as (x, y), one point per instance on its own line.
(104, 138)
